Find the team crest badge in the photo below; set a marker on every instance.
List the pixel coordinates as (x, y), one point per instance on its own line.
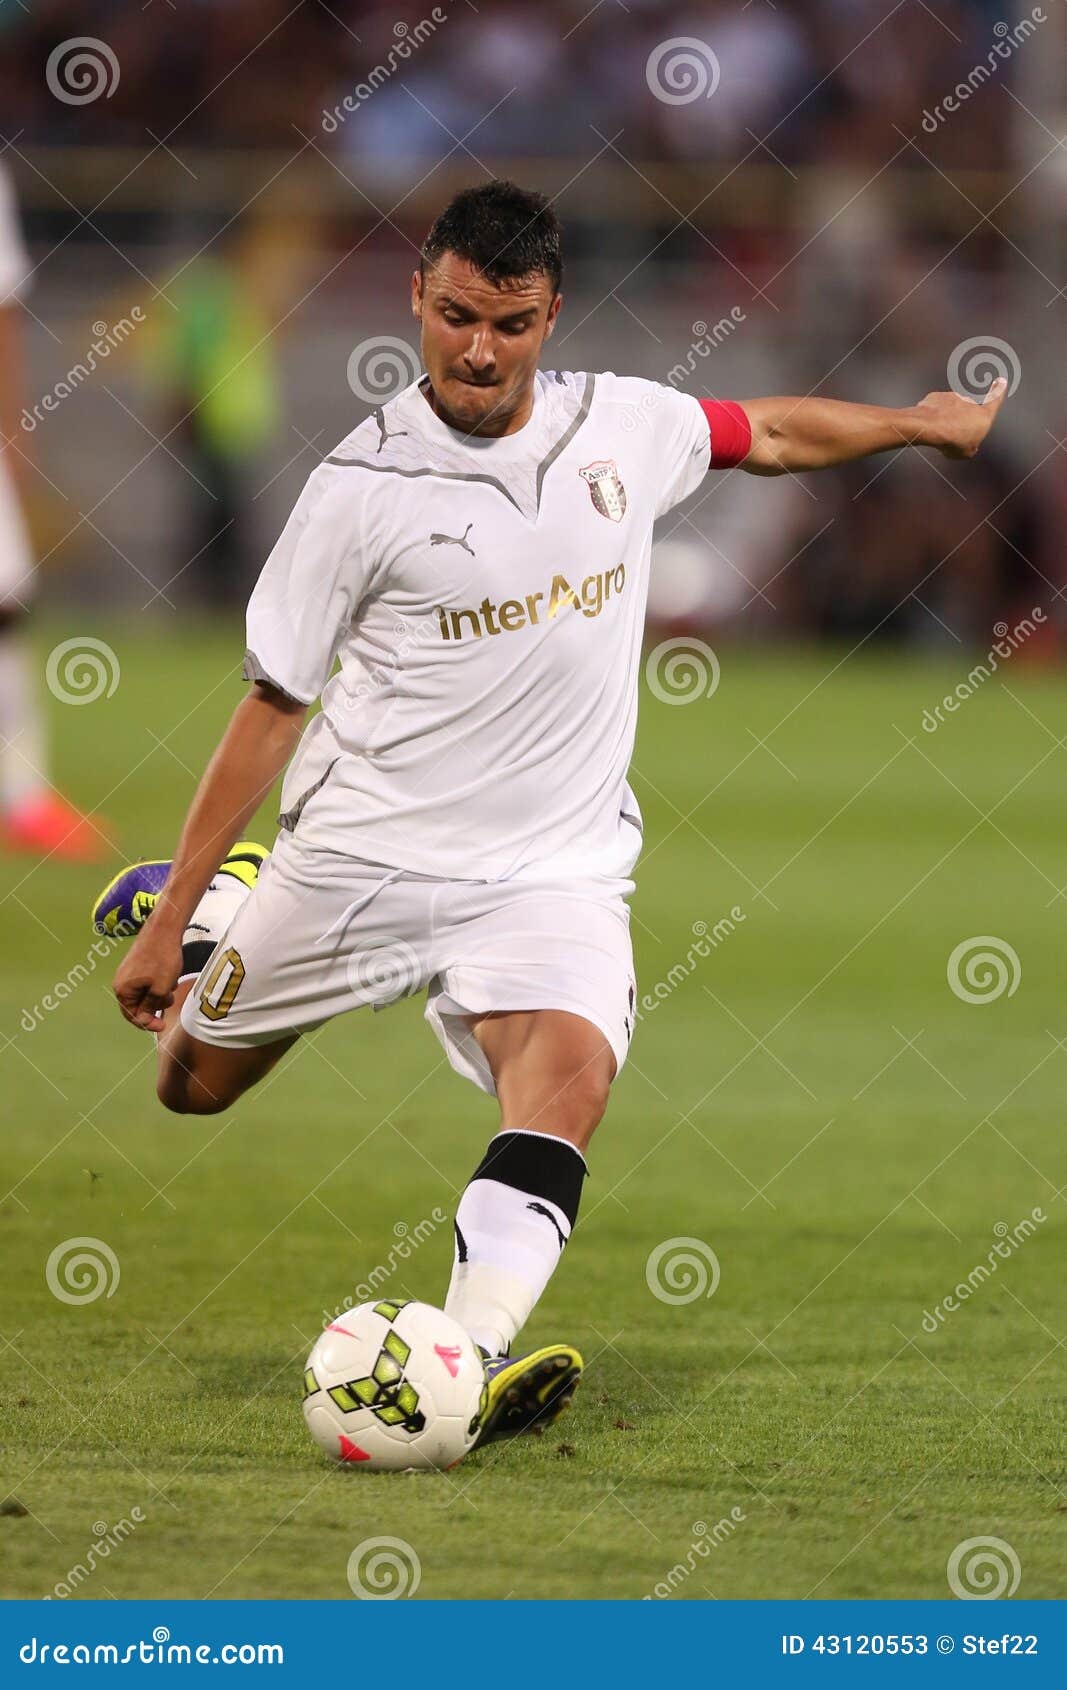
(605, 489)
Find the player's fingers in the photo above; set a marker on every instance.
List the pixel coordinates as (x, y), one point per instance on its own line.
(147, 1017)
(139, 1006)
(997, 390)
(135, 1015)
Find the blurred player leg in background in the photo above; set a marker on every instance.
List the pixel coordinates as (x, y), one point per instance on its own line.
(33, 816)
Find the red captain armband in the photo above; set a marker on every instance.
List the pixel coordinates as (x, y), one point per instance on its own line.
(731, 432)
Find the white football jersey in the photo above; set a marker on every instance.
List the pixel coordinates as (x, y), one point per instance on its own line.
(15, 264)
(486, 599)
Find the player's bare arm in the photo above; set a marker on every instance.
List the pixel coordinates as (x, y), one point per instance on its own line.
(252, 753)
(793, 435)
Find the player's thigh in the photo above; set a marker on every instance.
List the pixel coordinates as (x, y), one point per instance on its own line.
(545, 974)
(319, 935)
(552, 1070)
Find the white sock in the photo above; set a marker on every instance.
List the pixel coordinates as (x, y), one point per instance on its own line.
(209, 921)
(511, 1225)
(22, 739)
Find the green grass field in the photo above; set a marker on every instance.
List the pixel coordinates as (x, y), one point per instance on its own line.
(810, 1100)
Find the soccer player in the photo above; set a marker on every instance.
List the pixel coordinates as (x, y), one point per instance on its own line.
(33, 815)
(457, 818)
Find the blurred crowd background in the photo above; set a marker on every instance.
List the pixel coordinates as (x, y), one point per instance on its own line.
(246, 191)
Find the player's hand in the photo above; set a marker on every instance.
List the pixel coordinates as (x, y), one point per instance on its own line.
(144, 985)
(956, 425)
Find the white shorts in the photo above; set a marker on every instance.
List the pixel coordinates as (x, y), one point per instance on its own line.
(322, 933)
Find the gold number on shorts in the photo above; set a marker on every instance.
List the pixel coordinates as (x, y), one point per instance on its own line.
(230, 966)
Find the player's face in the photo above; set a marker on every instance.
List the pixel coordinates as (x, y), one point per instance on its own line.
(481, 343)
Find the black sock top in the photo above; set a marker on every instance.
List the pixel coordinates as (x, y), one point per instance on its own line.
(539, 1164)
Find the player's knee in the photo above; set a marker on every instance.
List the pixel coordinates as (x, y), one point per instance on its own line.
(184, 1094)
(579, 1096)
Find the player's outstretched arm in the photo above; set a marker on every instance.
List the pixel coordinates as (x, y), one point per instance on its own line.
(252, 753)
(792, 435)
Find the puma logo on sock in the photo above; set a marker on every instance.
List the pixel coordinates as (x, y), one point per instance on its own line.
(539, 1209)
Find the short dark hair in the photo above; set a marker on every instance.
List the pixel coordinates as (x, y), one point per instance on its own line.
(505, 231)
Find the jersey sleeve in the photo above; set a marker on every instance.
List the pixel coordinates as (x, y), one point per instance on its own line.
(15, 264)
(699, 434)
(684, 442)
(311, 586)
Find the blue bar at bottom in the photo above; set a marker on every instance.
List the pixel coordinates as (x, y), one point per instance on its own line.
(438, 1644)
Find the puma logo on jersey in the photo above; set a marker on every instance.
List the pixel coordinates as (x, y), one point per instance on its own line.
(386, 433)
(454, 539)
